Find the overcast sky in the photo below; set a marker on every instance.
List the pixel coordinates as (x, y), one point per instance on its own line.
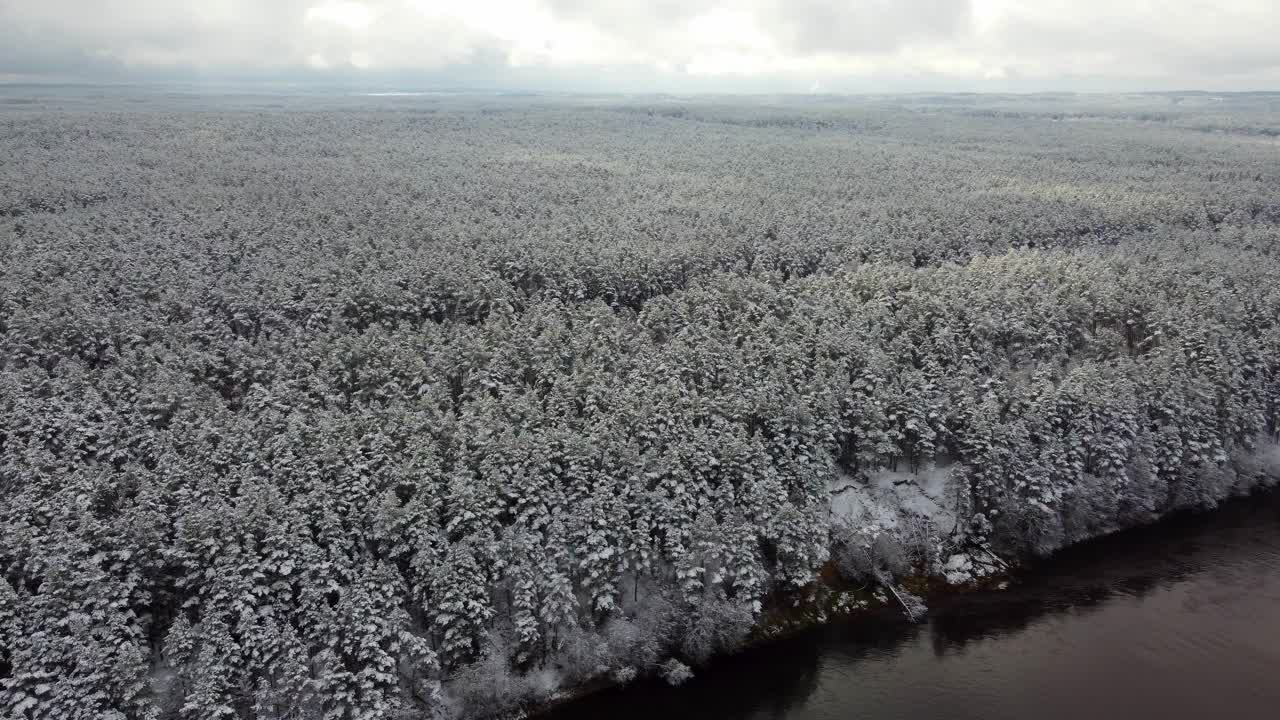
(668, 45)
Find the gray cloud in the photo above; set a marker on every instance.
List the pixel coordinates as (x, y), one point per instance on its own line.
(673, 44)
(870, 26)
(107, 37)
(620, 17)
(1192, 41)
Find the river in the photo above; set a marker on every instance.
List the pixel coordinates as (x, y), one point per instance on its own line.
(1178, 620)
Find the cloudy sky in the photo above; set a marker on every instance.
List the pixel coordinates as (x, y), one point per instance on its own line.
(667, 45)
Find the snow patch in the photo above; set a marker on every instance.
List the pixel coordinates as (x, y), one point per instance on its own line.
(889, 498)
(958, 569)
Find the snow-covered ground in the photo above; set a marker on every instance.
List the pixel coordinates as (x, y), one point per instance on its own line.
(902, 503)
(888, 498)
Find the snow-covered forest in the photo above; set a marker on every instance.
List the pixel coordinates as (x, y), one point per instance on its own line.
(440, 406)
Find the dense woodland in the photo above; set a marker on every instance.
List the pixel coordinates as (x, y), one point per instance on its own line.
(428, 407)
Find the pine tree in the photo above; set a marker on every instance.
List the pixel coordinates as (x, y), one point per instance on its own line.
(460, 607)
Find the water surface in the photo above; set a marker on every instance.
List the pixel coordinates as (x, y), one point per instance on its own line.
(1181, 620)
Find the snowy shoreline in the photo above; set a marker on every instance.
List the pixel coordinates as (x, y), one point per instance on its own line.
(975, 570)
(827, 604)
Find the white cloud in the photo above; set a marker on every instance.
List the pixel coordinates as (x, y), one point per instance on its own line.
(351, 15)
(1090, 44)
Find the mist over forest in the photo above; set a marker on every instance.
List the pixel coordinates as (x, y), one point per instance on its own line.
(447, 405)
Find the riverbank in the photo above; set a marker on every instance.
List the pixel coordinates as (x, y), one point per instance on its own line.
(1136, 624)
(833, 601)
(828, 600)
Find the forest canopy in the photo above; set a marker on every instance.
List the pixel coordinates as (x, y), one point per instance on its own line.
(439, 406)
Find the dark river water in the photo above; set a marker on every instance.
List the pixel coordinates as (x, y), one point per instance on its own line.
(1181, 620)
